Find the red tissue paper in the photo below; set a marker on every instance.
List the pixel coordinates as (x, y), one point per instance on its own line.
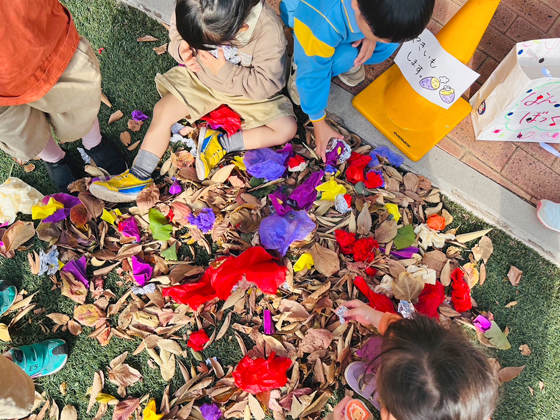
(261, 375)
(256, 265)
(225, 118)
(376, 300)
(357, 164)
(197, 340)
(430, 299)
(460, 291)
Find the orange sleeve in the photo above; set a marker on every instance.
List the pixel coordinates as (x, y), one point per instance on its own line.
(387, 319)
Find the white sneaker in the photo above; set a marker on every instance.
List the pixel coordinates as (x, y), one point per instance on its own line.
(548, 213)
(354, 76)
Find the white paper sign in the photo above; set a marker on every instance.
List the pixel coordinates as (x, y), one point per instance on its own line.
(433, 72)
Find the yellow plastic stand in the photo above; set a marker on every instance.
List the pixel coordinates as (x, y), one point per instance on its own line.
(410, 121)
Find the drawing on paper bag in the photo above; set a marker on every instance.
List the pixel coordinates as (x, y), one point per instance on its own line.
(521, 100)
(428, 69)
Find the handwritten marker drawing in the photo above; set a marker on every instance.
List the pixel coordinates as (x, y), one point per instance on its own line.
(426, 66)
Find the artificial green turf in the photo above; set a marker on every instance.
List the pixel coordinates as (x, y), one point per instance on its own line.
(128, 70)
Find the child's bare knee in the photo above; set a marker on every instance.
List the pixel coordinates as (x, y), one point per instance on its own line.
(287, 129)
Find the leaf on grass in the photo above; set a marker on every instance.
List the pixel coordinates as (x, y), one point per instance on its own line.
(18, 234)
(509, 373)
(146, 38)
(123, 376)
(125, 408)
(514, 276)
(497, 337)
(326, 261)
(126, 139)
(106, 100)
(95, 389)
(525, 350)
(134, 125)
(407, 287)
(115, 116)
(159, 225)
(471, 274)
(482, 274)
(69, 413)
(486, 248)
(148, 197)
(74, 328)
(405, 237)
(386, 232)
(364, 220)
(162, 49)
(467, 237)
(436, 260)
(89, 315)
(72, 288)
(4, 333)
(256, 408)
(511, 304)
(134, 145)
(29, 167)
(59, 319)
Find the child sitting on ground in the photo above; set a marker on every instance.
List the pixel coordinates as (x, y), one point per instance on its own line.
(419, 370)
(253, 38)
(49, 78)
(335, 38)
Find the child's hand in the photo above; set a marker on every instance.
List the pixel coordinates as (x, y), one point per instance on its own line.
(338, 410)
(323, 133)
(186, 54)
(368, 47)
(212, 63)
(362, 313)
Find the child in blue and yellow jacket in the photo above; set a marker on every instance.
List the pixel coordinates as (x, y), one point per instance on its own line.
(335, 38)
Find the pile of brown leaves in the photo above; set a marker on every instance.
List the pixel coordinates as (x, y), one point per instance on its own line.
(307, 329)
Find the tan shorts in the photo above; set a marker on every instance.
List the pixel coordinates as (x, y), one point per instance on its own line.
(200, 99)
(70, 108)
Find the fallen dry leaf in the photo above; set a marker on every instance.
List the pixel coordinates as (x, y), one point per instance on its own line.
(125, 408)
(514, 276)
(162, 49)
(69, 412)
(18, 234)
(326, 261)
(525, 350)
(134, 125)
(115, 116)
(134, 145)
(146, 38)
(509, 373)
(407, 287)
(125, 138)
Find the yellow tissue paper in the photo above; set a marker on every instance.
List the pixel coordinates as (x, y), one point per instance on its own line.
(40, 212)
(330, 190)
(305, 261)
(110, 216)
(238, 162)
(16, 196)
(393, 210)
(150, 411)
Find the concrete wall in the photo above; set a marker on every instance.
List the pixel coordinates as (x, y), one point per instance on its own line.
(160, 10)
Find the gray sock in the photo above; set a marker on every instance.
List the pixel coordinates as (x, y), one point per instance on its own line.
(144, 164)
(233, 143)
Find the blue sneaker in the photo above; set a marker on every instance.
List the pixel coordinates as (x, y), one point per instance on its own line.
(8, 294)
(122, 188)
(41, 359)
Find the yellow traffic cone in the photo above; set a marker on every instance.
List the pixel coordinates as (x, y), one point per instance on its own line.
(410, 121)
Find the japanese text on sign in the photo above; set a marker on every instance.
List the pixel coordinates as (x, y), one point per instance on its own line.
(433, 72)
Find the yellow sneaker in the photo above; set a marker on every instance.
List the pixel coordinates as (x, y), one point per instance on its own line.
(121, 188)
(209, 152)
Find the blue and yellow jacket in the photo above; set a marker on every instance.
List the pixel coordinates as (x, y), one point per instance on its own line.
(319, 27)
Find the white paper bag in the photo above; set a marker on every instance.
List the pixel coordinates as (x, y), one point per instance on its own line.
(520, 101)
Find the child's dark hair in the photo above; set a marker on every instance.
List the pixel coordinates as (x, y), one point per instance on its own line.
(396, 20)
(429, 372)
(207, 23)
